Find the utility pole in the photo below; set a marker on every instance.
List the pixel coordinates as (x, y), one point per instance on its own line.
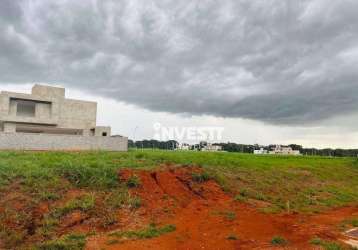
(134, 132)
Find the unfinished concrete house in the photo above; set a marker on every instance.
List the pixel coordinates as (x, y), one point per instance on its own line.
(46, 120)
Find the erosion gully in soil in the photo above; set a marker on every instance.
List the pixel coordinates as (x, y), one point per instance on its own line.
(205, 217)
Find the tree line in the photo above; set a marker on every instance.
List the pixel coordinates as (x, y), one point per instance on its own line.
(247, 148)
(153, 144)
(243, 148)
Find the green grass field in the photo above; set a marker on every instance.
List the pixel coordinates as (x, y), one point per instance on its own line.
(308, 183)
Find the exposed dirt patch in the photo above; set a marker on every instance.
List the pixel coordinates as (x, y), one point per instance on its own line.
(207, 218)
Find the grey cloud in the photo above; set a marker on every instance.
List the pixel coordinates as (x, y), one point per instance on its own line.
(284, 62)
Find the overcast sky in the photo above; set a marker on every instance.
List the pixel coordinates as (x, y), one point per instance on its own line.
(267, 71)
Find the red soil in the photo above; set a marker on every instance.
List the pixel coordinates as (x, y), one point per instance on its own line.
(203, 216)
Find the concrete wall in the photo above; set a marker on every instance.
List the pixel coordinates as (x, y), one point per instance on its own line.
(43, 110)
(99, 130)
(28, 141)
(9, 127)
(48, 91)
(77, 114)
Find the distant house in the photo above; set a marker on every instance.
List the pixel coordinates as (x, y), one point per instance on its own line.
(281, 150)
(183, 146)
(202, 146)
(211, 147)
(261, 151)
(278, 150)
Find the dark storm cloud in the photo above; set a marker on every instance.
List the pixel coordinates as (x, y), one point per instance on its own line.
(277, 61)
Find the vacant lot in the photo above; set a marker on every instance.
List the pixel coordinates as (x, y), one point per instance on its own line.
(101, 200)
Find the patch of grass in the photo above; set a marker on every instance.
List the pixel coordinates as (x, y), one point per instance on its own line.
(200, 177)
(14, 226)
(108, 219)
(150, 232)
(88, 175)
(260, 196)
(68, 242)
(240, 198)
(354, 222)
(278, 240)
(316, 241)
(84, 203)
(48, 196)
(134, 202)
(332, 246)
(229, 215)
(120, 198)
(327, 245)
(117, 198)
(133, 182)
(139, 155)
(48, 226)
(11, 237)
(221, 179)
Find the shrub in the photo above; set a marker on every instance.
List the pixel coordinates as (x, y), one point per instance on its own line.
(316, 241)
(244, 192)
(200, 177)
(230, 215)
(133, 182)
(278, 240)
